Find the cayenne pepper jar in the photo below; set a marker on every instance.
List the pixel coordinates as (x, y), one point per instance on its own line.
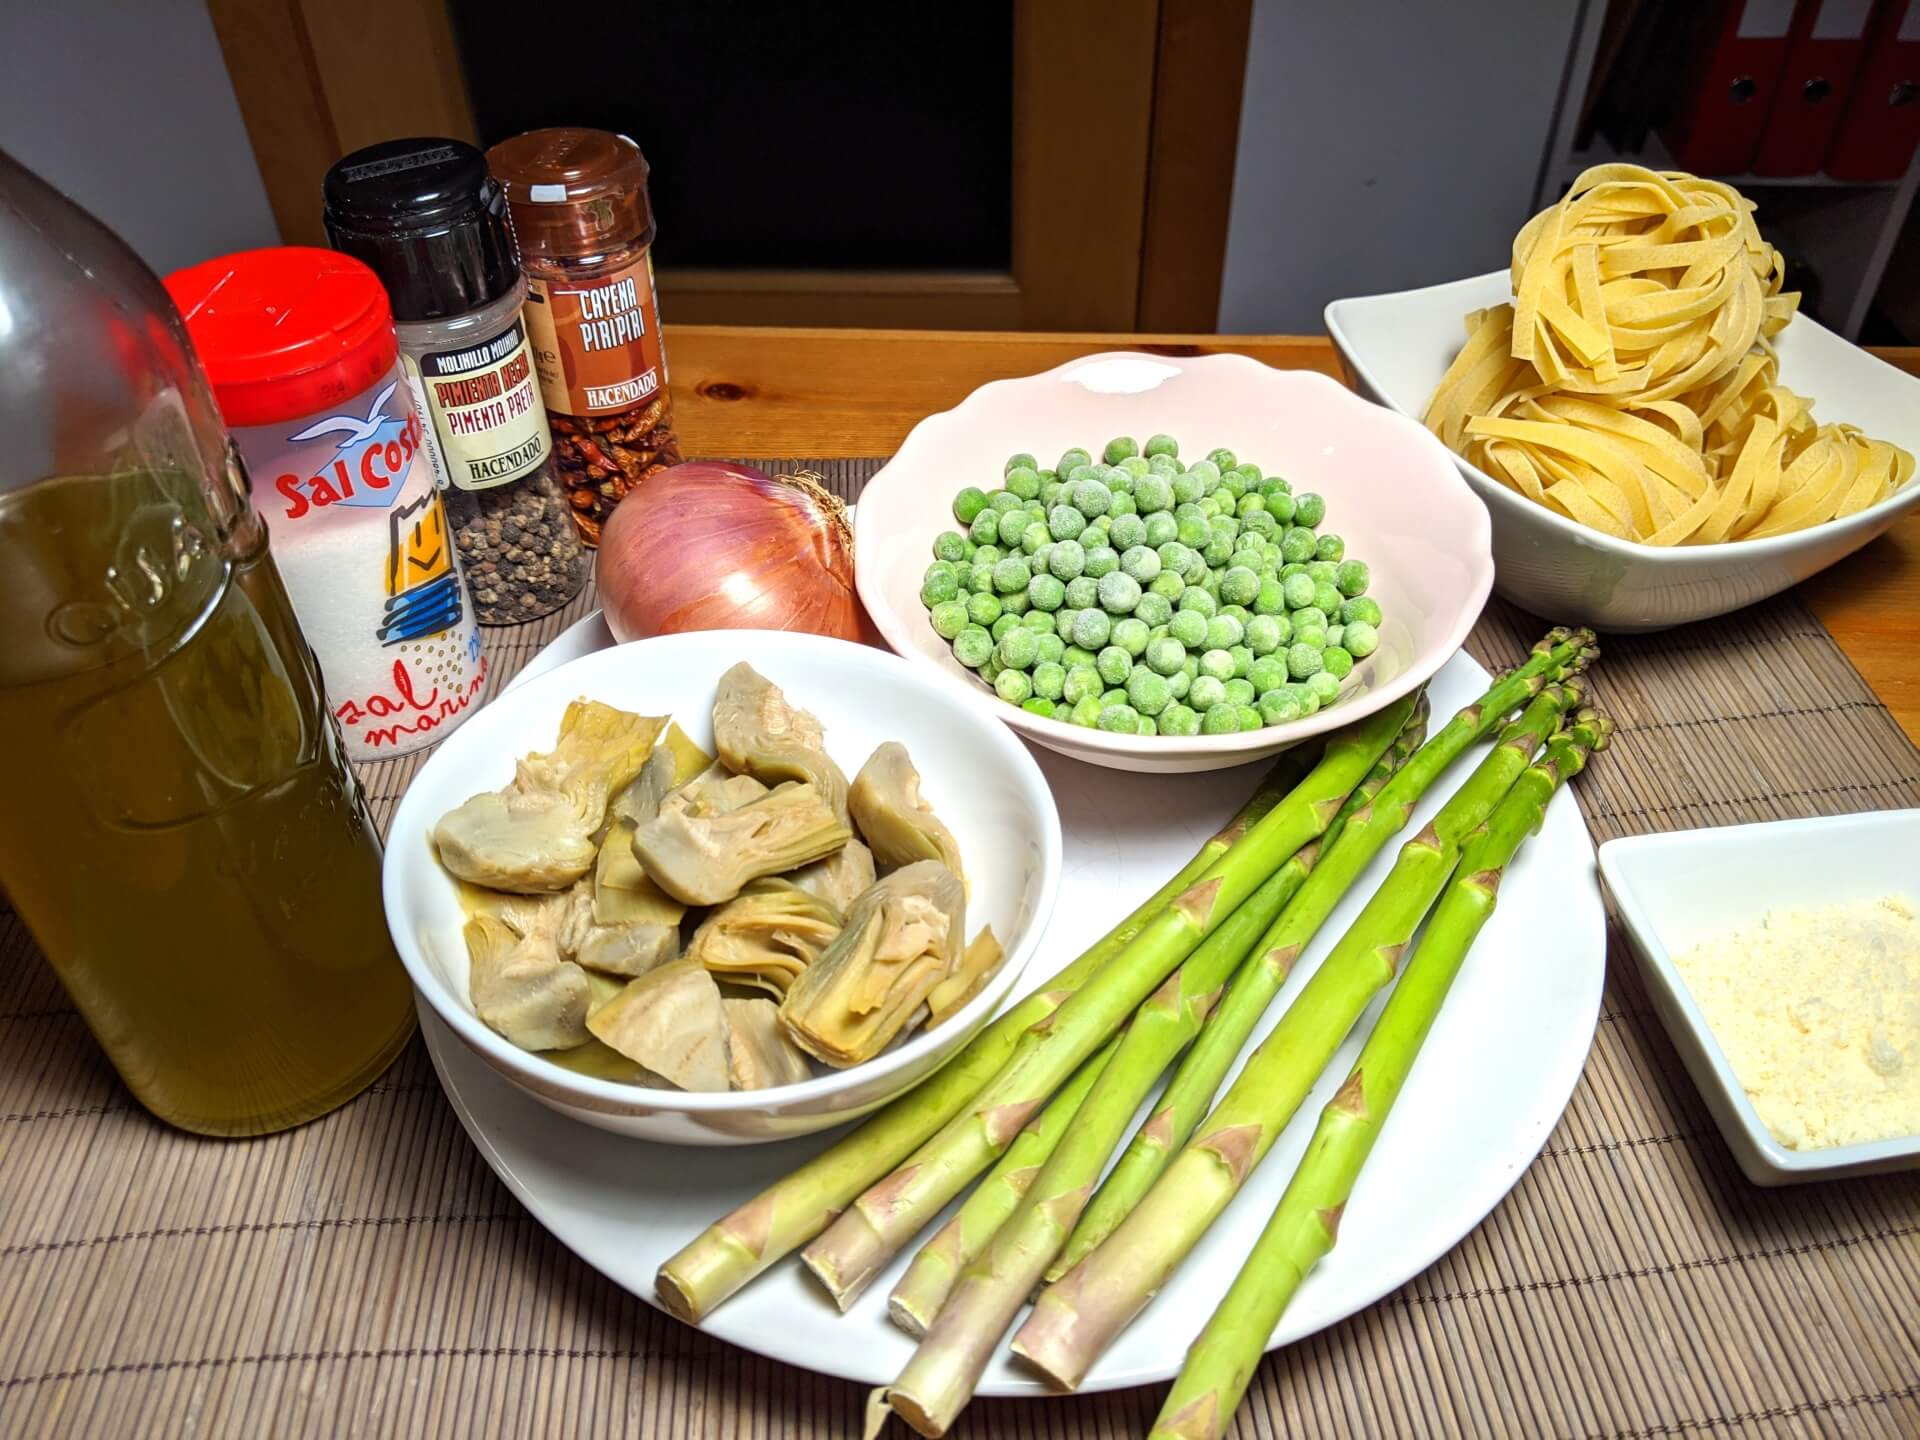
(580, 212)
(430, 221)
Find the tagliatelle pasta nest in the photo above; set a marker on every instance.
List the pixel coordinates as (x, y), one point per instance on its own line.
(1632, 385)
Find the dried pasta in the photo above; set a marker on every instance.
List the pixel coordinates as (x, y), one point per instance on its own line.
(1631, 384)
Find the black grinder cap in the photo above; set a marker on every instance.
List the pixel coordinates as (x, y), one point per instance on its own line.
(429, 220)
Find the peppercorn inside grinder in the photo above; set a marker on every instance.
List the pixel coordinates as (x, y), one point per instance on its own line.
(430, 221)
(578, 200)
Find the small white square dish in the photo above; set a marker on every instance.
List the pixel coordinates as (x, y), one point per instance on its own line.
(1398, 346)
(1678, 890)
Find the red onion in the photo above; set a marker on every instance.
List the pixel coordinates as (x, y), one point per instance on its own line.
(710, 546)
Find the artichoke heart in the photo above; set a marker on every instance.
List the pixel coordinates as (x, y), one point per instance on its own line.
(758, 733)
(618, 949)
(759, 1054)
(671, 1021)
(977, 966)
(899, 825)
(703, 860)
(521, 987)
(688, 758)
(537, 834)
(640, 800)
(766, 935)
(840, 877)
(714, 791)
(622, 893)
(901, 939)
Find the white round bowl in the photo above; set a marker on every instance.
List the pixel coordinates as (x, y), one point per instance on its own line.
(1391, 489)
(978, 778)
(1398, 346)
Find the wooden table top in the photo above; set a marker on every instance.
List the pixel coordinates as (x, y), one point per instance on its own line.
(831, 393)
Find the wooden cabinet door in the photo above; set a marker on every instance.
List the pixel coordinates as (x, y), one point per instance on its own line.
(1125, 123)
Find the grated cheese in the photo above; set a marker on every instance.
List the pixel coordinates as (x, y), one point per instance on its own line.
(1818, 1012)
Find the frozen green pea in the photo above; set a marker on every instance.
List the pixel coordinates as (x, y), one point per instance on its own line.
(1076, 656)
(1155, 608)
(983, 607)
(1122, 507)
(1272, 597)
(1053, 493)
(1092, 628)
(1242, 659)
(949, 619)
(1136, 466)
(1120, 719)
(1024, 481)
(1360, 639)
(1082, 682)
(1271, 485)
(1131, 635)
(1297, 545)
(1166, 655)
(1114, 665)
(1147, 691)
(1011, 574)
(1330, 547)
(1167, 465)
(1102, 560)
(1260, 526)
(1082, 591)
(1013, 685)
(1067, 559)
(1327, 597)
(1199, 600)
(1038, 705)
(968, 504)
(1052, 648)
(1303, 660)
(1205, 692)
(1287, 572)
(1120, 447)
(1312, 636)
(1063, 619)
(1220, 719)
(1086, 712)
(1153, 494)
(1186, 487)
(1363, 608)
(1321, 572)
(1013, 524)
(1233, 486)
(1283, 509)
(1224, 631)
(1127, 532)
(1338, 662)
(1034, 536)
(1193, 532)
(1015, 604)
(1324, 687)
(1309, 701)
(1081, 472)
(1218, 552)
(1309, 615)
(1045, 592)
(1146, 726)
(1163, 445)
(1309, 509)
(1003, 501)
(1113, 695)
(1189, 627)
(1249, 505)
(1237, 691)
(988, 555)
(1119, 592)
(1336, 636)
(1064, 522)
(1002, 626)
(1139, 564)
(1179, 719)
(1262, 634)
(1178, 683)
(1279, 705)
(985, 529)
(1038, 621)
(1267, 672)
(1225, 527)
(939, 585)
(1222, 459)
(1049, 679)
(950, 545)
(1298, 590)
(1161, 528)
(1019, 461)
(1240, 585)
(1167, 586)
(1091, 498)
(972, 647)
(1216, 663)
(1238, 612)
(979, 577)
(1071, 460)
(1351, 578)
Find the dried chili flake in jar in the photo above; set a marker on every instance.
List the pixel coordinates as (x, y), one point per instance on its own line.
(578, 199)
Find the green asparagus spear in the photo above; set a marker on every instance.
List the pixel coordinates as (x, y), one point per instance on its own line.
(738, 1247)
(1559, 655)
(852, 1250)
(1076, 1318)
(1306, 1223)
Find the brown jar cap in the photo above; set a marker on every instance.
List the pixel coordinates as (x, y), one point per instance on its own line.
(574, 191)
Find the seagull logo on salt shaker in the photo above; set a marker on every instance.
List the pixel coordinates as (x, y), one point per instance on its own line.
(377, 428)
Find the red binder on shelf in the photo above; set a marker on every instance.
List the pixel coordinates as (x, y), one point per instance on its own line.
(1737, 49)
(1881, 128)
(1824, 51)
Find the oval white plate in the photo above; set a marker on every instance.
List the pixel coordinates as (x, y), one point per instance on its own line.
(1490, 1085)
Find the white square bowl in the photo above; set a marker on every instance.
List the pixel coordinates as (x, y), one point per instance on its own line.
(1674, 891)
(1398, 346)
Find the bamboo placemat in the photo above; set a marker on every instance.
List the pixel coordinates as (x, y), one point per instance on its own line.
(367, 1275)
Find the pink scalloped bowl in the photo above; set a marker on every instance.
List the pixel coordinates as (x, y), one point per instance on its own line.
(1391, 489)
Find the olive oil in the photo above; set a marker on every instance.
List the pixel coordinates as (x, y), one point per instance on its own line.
(182, 833)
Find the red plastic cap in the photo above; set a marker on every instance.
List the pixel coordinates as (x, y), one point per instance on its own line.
(287, 332)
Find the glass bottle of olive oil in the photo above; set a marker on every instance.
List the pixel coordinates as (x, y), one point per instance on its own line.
(181, 832)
